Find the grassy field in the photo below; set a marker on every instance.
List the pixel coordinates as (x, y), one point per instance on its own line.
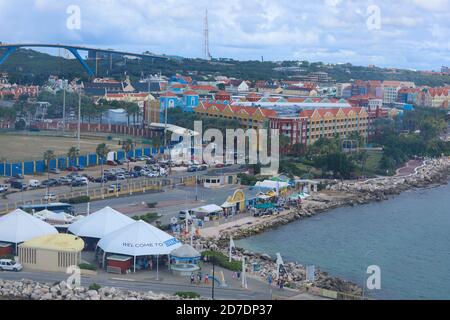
(15, 147)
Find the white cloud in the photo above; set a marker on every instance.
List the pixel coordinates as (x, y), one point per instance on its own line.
(330, 30)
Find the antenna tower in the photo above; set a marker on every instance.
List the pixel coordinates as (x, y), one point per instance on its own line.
(206, 34)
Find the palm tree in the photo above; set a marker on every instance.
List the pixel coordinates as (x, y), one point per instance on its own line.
(102, 152)
(48, 156)
(73, 153)
(127, 146)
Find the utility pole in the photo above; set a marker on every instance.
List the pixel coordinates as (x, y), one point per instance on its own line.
(64, 108)
(79, 120)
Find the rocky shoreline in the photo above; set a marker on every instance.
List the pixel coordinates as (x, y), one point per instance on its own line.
(31, 290)
(337, 194)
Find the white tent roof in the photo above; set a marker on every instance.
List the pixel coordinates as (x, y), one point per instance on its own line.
(139, 239)
(208, 209)
(100, 223)
(53, 216)
(185, 251)
(19, 226)
(269, 184)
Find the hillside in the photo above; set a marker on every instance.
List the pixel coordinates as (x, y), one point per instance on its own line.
(32, 67)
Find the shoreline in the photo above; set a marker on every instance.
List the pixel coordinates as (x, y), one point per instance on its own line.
(341, 194)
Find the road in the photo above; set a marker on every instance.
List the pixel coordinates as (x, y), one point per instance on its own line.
(170, 202)
(261, 291)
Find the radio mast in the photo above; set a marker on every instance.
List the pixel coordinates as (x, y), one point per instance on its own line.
(206, 34)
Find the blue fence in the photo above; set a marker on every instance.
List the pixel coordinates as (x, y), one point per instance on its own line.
(39, 167)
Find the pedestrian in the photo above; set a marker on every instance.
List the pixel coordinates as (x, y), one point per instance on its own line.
(238, 274)
(281, 284)
(207, 279)
(233, 275)
(270, 280)
(192, 278)
(199, 277)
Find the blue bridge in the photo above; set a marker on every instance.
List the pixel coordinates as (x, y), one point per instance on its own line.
(11, 48)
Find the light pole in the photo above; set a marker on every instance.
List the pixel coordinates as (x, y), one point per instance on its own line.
(213, 276)
(64, 107)
(79, 120)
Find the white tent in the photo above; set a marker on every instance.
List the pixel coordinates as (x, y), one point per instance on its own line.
(100, 223)
(47, 215)
(19, 226)
(272, 185)
(139, 239)
(211, 208)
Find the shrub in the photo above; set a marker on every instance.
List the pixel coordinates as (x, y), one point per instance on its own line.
(149, 217)
(95, 287)
(187, 294)
(222, 260)
(78, 200)
(8, 256)
(87, 266)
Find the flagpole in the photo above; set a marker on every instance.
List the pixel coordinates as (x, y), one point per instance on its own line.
(231, 239)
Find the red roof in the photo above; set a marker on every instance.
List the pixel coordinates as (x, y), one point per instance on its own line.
(204, 88)
(168, 94)
(190, 93)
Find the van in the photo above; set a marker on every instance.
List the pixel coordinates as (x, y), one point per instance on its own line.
(10, 265)
(34, 183)
(183, 213)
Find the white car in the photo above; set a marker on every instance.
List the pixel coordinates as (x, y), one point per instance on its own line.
(10, 265)
(4, 187)
(50, 197)
(120, 176)
(34, 183)
(152, 175)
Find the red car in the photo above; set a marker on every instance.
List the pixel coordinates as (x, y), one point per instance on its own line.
(111, 163)
(72, 168)
(220, 165)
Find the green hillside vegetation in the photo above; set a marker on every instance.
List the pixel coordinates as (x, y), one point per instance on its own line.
(31, 67)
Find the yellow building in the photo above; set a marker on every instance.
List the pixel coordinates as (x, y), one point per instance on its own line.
(55, 252)
(326, 123)
(249, 117)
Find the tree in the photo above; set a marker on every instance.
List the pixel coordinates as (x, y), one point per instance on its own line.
(127, 146)
(102, 152)
(73, 153)
(49, 155)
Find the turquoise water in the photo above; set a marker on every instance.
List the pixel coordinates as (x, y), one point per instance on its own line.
(408, 237)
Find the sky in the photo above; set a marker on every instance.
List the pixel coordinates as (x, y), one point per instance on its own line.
(411, 34)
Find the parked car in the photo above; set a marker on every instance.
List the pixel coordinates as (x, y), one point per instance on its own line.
(18, 176)
(137, 168)
(78, 183)
(72, 169)
(150, 161)
(100, 180)
(19, 185)
(10, 265)
(65, 180)
(111, 163)
(4, 188)
(220, 165)
(203, 167)
(50, 183)
(55, 171)
(192, 169)
(50, 197)
(121, 176)
(117, 187)
(80, 168)
(131, 159)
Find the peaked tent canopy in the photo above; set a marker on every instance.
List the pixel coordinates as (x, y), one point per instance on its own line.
(100, 223)
(185, 252)
(139, 239)
(19, 226)
(208, 209)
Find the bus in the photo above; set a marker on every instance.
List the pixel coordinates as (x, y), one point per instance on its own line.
(57, 207)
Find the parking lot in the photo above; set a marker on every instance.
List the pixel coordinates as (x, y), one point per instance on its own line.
(118, 180)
